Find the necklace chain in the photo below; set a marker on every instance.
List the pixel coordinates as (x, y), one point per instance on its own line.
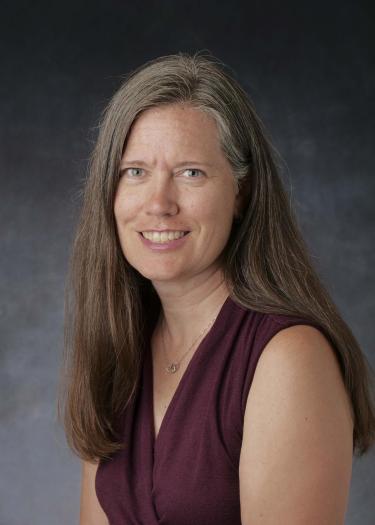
(175, 365)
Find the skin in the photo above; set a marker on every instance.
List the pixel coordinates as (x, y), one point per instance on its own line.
(296, 455)
(185, 183)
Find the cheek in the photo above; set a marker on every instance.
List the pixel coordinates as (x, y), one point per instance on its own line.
(118, 202)
(124, 206)
(117, 209)
(216, 211)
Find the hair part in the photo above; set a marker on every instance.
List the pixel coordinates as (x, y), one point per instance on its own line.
(266, 262)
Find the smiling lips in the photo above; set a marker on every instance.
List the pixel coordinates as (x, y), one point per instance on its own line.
(164, 236)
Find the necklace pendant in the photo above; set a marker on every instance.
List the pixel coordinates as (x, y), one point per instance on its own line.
(172, 368)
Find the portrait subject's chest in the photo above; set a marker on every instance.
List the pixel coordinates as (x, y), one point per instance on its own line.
(164, 384)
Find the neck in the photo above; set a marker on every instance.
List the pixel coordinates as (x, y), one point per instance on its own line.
(189, 308)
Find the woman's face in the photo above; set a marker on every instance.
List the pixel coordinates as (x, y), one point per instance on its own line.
(175, 179)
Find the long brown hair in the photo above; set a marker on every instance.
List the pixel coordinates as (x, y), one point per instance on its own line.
(266, 263)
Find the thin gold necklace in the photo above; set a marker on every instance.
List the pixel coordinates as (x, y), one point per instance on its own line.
(175, 365)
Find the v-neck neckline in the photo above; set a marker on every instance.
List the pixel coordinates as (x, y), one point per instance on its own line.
(150, 380)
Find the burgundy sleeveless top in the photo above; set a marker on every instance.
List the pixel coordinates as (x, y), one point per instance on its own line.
(190, 474)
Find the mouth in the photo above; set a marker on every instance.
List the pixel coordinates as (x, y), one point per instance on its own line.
(165, 236)
(163, 239)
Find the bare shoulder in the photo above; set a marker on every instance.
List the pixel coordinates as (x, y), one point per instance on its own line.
(296, 456)
(91, 513)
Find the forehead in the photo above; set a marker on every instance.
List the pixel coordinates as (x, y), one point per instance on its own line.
(174, 126)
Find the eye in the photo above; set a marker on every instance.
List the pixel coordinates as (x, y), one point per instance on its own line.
(132, 172)
(192, 170)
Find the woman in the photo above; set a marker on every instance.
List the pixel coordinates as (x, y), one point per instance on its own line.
(189, 275)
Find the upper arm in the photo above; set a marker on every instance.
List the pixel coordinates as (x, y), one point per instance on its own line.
(296, 455)
(91, 513)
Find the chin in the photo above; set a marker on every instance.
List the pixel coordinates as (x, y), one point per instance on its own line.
(158, 275)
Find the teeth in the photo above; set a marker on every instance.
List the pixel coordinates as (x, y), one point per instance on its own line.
(162, 237)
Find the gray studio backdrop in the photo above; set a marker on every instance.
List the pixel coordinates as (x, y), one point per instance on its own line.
(309, 68)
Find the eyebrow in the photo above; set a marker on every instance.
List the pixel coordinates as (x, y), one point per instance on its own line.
(180, 164)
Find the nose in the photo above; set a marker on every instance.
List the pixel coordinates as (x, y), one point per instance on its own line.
(162, 197)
